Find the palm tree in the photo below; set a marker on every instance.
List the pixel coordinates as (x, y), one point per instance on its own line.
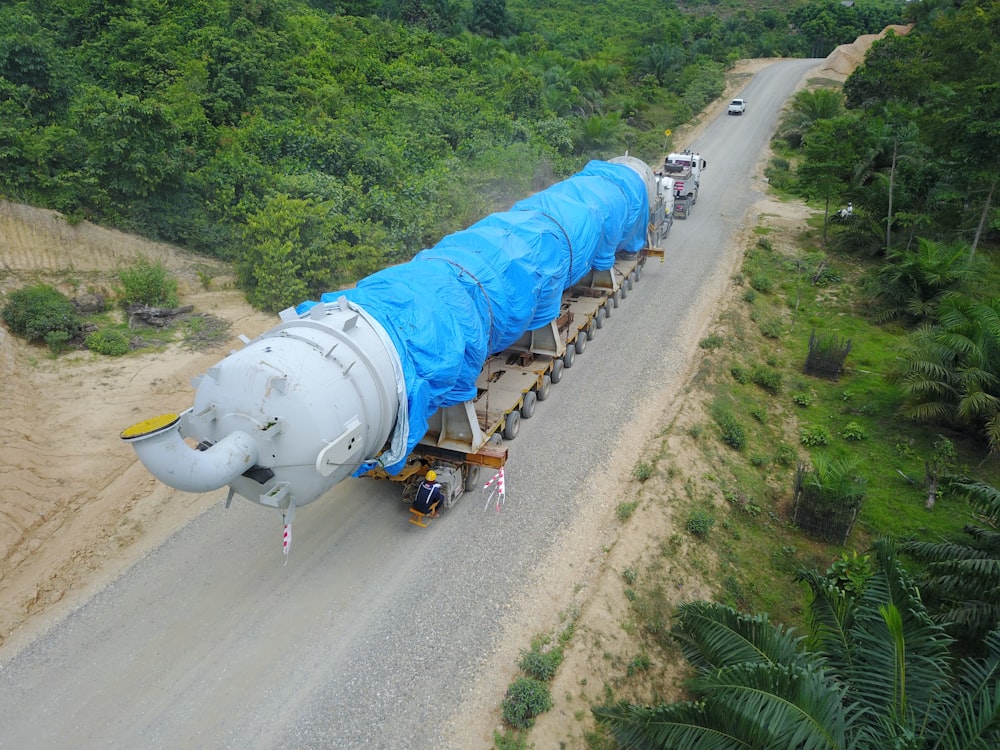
(961, 583)
(873, 672)
(806, 108)
(914, 281)
(950, 372)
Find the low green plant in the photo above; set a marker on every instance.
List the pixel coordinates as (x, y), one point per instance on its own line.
(814, 436)
(625, 509)
(851, 571)
(802, 399)
(740, 374)
(854, 431)
(541, 665)
(767, 378)
(733, 433)
(700, 523)
(146, 283)
(510, 740)
(771, 328)
(629, 575)
(786, 455)
(41, 313)
(525, 699)
(642, 471)
(107, 341)
(762, 283)
(713, 341)
(640, 663)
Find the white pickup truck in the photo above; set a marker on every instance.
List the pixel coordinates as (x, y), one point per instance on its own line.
(737, 106)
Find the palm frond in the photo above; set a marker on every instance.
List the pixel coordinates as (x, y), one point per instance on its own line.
(713, 635)
(675, 726)
(983, 497)
(939, 552)
(971, 720)
(830, 617)
(903, 658)
(799, 707)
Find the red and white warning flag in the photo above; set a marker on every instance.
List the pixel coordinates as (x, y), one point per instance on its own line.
(498, 491)
(286, 541)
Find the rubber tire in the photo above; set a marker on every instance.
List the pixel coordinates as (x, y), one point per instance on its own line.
(557, 371)
(601, 316)
(512, 425)
(569, 357)
(630, 281)
(528, 405)
(545, 388)
(591, 330)
(581, 342)
(638, 273)
(472, 473)
(623, 289)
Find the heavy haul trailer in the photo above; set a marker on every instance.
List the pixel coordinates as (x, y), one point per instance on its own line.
(425, 364)
(465, 442)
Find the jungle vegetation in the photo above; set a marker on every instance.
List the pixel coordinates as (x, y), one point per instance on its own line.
(311, 143)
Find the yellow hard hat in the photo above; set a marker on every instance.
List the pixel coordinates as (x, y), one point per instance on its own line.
(431, 475)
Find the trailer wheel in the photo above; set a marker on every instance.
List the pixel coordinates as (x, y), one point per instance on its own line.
(581, 342)
(630, 281)
(471, 477)
(528, 405)
(591, 329)
(637, 273)
(569, 357)
(511, 425)
(602, 313)
(616, 298)
(622, 290)
(557, 371)
(545, 388)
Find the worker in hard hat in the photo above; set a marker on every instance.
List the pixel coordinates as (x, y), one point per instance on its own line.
(429, 495)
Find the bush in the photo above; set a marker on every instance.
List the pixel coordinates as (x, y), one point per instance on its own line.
(526, 698)
(854, 431)
(814, 437)
(733, 433)
(767, 378)
(786, 455)
(41, 313)
(762, 283)
(541, 665)
(642, 471)
(714, 341)
(107, 341)
(147, 283)
(700, 523)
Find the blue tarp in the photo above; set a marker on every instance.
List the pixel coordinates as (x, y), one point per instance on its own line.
(477, 291)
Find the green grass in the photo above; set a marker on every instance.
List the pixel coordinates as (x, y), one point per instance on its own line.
(760, 389)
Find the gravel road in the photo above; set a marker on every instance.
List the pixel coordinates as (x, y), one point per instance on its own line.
(375, 631)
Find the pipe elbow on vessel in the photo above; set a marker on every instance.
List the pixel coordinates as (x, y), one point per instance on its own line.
(158, 444)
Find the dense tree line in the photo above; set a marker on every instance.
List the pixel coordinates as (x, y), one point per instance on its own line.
(914, 144)
(313, 142)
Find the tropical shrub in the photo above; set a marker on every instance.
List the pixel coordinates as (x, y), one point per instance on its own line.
(525, 699)
(41, 313)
